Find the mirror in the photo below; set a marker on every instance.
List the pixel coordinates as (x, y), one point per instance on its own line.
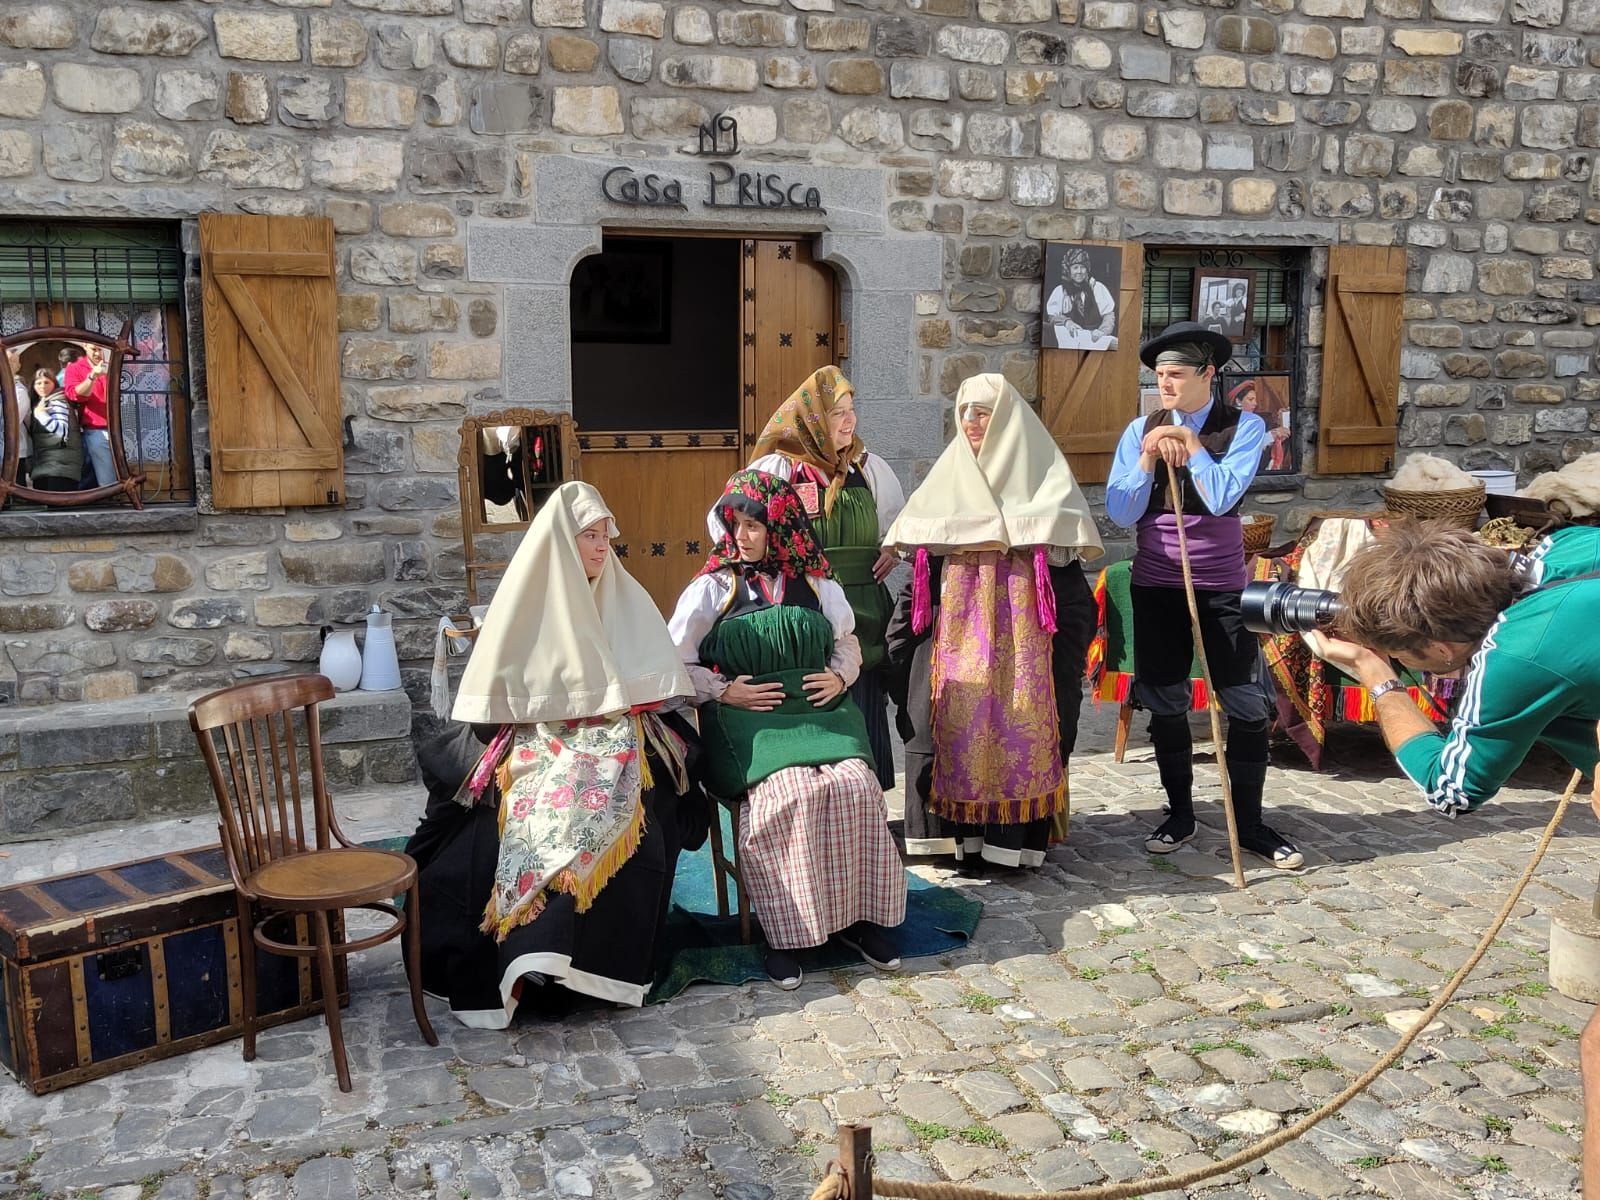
(508, 463)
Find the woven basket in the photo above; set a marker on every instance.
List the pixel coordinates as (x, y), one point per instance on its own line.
(1459, 506)
(1258, 532)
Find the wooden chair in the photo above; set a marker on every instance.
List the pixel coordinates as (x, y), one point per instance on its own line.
(247, 736)
(725, 865)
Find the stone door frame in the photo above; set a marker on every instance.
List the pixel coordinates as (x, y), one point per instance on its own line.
(881, 274)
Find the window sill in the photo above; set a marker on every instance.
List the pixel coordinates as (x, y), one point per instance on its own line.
(1261, 483)
(68, 522)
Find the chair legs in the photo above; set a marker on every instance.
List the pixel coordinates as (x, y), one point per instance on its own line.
(719, 862)
(738, 878)
(413, 950)
(247, 974)
(1124, 723)
(330, 998)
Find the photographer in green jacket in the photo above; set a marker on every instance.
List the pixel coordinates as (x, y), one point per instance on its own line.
(1436, 599)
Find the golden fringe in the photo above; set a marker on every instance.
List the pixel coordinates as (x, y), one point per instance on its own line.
(502, 774)
(567, 881)
(646, 781)
(1001, 812)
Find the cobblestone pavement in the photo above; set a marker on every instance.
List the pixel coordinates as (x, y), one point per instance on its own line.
(1114, 1014)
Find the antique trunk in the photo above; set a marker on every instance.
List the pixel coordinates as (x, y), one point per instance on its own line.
(108, 969)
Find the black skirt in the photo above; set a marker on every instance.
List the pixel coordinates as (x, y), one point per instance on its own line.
(608, 952)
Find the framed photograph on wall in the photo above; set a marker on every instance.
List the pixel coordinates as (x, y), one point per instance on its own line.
(1224, 300)
(1081, 286)
(624, 293)
(1268, 397)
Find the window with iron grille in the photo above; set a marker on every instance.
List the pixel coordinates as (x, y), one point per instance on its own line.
(97, 277)
(1266, 374)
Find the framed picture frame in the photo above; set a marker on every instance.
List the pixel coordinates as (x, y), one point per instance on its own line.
(1082, 284)
(624, 293)
(1224, 300)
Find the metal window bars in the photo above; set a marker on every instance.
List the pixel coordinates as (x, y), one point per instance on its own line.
(1269, 360)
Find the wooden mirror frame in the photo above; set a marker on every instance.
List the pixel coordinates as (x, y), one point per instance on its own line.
(468, 461)
(117, 349)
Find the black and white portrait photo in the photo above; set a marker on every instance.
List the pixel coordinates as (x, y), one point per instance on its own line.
(1222, 301)
(1080, 308)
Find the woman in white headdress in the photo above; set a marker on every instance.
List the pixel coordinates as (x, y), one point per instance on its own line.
(563, 863)
(988, 641)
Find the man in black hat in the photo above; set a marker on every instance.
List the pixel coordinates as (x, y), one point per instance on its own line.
(1216, 450)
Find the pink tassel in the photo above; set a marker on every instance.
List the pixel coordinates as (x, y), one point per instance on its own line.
(1044, 594)
(484, 771)
(921, 593)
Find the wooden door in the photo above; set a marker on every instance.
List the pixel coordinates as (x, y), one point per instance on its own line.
(1089, 396)
(790, 325)
(660, 487)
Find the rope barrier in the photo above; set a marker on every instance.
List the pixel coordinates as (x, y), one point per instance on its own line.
(833, 1186)
(1163, 1183)
(1213, 709)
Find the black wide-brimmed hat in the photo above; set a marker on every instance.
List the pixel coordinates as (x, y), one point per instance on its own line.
(1188, 332)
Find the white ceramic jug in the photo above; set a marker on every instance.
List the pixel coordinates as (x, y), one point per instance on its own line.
(341, 659)
(380, 664)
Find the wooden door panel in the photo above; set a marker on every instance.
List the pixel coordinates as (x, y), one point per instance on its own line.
(1359, 417)
(790, 316)
(660, 497)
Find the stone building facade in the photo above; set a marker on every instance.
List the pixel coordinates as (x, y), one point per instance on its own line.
(459, 149)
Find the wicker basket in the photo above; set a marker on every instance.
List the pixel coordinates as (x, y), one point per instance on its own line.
(1258, 531)
(1459, 506)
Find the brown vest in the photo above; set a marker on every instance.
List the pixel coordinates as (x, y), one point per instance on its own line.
(1216, 435)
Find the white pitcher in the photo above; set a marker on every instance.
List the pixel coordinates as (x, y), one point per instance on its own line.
(341, 659)
(380, 664)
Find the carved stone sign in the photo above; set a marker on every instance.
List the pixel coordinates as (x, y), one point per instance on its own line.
(726, 187)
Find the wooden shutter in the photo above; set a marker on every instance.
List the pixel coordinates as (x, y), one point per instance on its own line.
(1089, 396)
(789, 326)
(272, 361)
(1361, 359)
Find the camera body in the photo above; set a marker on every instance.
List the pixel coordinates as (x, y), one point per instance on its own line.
(1280, 608)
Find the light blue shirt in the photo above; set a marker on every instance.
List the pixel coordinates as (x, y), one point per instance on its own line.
(1220, 483)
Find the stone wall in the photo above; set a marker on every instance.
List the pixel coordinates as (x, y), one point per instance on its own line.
(1460, 129)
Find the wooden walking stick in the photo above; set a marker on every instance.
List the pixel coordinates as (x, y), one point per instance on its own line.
(1212, 709)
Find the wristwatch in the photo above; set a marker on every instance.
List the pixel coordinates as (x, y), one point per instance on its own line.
(1384, 688)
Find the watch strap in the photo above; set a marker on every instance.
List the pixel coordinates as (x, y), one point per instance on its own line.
(1384, 688)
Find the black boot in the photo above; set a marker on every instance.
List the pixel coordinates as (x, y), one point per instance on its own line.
(1248, 780)
(1175, 762)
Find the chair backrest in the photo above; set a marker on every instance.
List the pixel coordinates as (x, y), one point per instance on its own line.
(247, 735)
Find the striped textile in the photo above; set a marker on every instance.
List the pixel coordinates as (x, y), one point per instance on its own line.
(815, 850)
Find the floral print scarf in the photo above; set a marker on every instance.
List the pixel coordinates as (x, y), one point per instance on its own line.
(792, 546)
(571, 808)
(799, 430)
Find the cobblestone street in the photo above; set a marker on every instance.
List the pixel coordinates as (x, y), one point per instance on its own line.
(1115, 1013)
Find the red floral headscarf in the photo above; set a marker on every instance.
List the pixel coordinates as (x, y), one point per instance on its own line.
(791, 543)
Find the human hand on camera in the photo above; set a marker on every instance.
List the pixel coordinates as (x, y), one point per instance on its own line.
(756, 697)
(1352, 658)
(823, 687)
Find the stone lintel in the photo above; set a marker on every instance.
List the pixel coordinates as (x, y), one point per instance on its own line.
(1185, 232)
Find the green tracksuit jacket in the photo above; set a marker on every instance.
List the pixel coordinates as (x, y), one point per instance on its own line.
(1536, 677)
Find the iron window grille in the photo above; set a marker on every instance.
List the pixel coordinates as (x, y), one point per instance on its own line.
(96, 278)
(1269, 361)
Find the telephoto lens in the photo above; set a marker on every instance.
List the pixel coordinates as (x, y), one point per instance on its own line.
(1280, 608)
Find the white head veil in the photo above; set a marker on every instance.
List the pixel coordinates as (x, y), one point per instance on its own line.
(556, 647)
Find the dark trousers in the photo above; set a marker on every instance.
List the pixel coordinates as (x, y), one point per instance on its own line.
(1163, 652)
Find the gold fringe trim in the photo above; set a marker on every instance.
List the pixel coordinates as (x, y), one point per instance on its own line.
(567, 881)
(1001, 812)
(646, 780)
